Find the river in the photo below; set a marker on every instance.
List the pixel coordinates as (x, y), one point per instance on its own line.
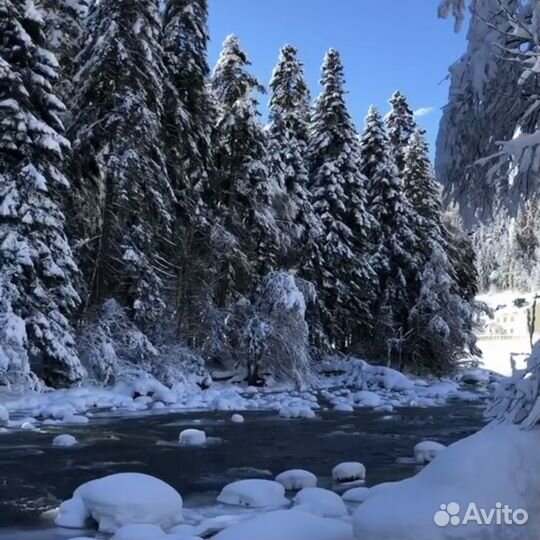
(36, 477)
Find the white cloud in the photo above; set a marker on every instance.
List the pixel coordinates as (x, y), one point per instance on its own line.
(423, 111)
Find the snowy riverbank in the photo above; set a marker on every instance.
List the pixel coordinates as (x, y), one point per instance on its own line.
(341, 385)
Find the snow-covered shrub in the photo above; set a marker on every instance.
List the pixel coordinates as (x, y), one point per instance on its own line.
(176, 365)
(274, 339)
(111, 341)
(113, 348)
(517, 401)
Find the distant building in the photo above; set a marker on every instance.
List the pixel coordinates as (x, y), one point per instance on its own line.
(508, 334)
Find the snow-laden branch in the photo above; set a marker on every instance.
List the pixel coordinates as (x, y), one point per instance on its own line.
(454, 8)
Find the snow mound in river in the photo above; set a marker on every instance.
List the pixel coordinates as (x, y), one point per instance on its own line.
(64, 440)
(253, 493)
(426, 451)
(192, 437)
(350, 471)
(122, 499)
(296, 479)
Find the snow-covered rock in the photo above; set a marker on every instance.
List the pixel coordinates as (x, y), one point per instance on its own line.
(350, 471)
(122, 499)
(365, 398)
(296, 479)
(75, 419)
(192, 437)
(358, 495)
(287, 525)
(237, 419)
(343, 407)
(321, 502)
(426, 451)
(499, 464)
(296, 412)
(64, 440)
(253, 493)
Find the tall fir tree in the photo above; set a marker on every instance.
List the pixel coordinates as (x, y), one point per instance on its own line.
(118, 159)
(339, 264)
(394, 258)
(400, 125)
(461, 254)
(37, 268)
(243, 192)
(188, 132)
(289, 111)
(424, 194)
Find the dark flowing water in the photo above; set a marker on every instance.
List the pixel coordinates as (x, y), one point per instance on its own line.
(35, 476)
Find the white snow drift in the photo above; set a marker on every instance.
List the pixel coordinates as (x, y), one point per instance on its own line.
(499, 464)
(287, 525)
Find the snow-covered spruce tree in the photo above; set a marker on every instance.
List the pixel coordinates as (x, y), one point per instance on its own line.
(122, 209)
(36, 264)
(339, 264)
(242, 192)
(64, 29)
(289, 111)
(440, 322)
(397, 256)
(423, 192)
(188, 129)
(400, 125)
(274, 339)
(461, 254)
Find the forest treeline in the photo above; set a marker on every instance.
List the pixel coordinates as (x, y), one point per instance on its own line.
(147, 211)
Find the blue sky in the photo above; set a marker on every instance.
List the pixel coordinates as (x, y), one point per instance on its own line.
(385, 45)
